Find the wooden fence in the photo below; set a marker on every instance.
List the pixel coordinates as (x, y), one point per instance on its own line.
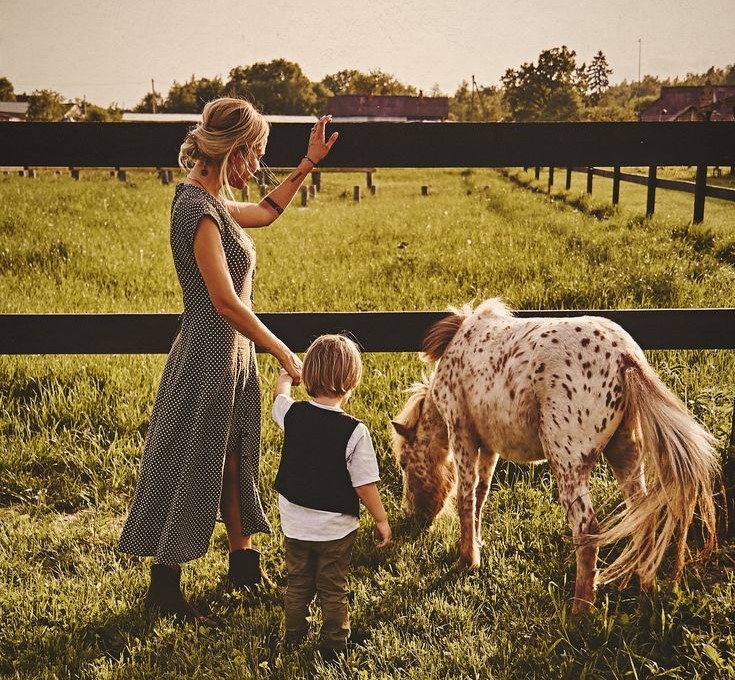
(368, 145)
(699, 187)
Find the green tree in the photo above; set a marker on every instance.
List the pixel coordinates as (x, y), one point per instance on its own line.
(552, 89)
(486, 104)
(91, 113)
(277, 87)
(146, 105)
(598, 77)
(45, 105)
(191, 96)
(374, 82)
(7, 91)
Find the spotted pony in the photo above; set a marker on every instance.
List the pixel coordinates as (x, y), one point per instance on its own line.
(563, 390)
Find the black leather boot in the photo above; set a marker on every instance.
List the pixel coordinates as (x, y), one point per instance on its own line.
(245, 571)
(165, 594)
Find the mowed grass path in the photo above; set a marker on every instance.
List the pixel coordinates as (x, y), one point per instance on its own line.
(71, 432)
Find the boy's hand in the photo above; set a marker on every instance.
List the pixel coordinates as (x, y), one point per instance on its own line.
(383, 533)
(283, 384)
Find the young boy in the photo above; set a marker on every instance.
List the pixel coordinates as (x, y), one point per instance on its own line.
(328, 465)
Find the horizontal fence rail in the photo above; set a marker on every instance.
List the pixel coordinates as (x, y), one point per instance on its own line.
(723, 193)
(374, 331)
(388, 144)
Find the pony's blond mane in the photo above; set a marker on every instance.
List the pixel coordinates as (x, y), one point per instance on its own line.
(409, 416)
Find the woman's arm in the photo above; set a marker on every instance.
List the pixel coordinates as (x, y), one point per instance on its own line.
(212, 263)
(250, 215)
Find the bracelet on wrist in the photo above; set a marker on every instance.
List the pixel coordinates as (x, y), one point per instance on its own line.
(310, 161)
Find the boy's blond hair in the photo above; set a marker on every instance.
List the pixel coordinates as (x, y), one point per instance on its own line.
(332, 366)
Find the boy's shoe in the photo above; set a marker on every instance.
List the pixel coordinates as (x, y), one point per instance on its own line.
(245, 570)
(332, 654)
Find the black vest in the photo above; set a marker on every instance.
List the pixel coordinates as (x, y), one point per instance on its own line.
(313, 470)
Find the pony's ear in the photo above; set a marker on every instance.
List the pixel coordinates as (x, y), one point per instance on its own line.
(403, 431)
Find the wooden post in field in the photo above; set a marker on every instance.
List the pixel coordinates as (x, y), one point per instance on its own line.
(369, 179)
(537, 172)
(170, 176)
(374, 189)
(568, 182)
(163, 176)
(424, 189)
(312, 191)
(700, 186)
(122, 175)
(21, 173)
(112, 173)
(616, 185)
(551, 177)
(74, 173)
(246, 193)
(651, 194)
(356, 193)
(31, 173)
(590, 175)
(316, 180)
(304, 197)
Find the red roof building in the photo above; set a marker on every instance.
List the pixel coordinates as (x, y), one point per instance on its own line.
(686, 102)
(388, 107)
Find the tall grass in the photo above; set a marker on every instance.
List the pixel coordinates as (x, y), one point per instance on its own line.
(71, 430)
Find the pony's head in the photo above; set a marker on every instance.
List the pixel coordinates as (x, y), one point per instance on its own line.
(421, 447)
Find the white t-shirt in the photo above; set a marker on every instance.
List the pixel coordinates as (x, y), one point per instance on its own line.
(307, 524)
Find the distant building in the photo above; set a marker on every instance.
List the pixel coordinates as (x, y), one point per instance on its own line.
(131, 117)
(686, 102)
(394, 108)
(13, 110)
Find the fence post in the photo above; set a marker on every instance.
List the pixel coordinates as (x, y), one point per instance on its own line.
(537, 172)
(651, 195)
(551, 177)
(304, 197)
(312, 191)
(590, 175)
(316, 180)
(369, 179)
(700, 186)
(616, 185)
(568, 183)
(356, 193)
(424, 189)
(122, 175)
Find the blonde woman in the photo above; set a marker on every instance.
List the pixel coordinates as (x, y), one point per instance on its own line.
(202, 447)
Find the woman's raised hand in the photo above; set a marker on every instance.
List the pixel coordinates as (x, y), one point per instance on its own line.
(318, 148)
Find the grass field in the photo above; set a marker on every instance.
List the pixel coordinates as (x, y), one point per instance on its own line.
(71, 432)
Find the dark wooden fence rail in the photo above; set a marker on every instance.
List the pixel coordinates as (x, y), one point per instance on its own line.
(383, 145)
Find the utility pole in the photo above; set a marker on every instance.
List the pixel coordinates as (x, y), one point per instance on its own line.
(639, 64)
(153, 97)
(472, 98)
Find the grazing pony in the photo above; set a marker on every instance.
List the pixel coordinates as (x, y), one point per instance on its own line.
(564, 390)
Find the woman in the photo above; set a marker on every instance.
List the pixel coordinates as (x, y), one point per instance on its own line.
(202, 448)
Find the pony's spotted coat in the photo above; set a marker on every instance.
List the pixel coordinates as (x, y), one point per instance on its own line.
(565, 390)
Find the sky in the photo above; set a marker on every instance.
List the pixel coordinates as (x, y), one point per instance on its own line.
(110, 51)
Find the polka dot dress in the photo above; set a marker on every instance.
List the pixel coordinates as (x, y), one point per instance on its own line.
(207, 406)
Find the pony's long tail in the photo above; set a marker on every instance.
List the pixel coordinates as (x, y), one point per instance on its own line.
(682, 467)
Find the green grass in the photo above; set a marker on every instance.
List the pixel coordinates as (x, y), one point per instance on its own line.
(71, 431)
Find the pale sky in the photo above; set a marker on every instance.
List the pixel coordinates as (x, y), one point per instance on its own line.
(110, 50)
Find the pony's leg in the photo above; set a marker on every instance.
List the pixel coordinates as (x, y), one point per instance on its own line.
(465, 448)
(572, 472)
(485, 469)
(624, 455)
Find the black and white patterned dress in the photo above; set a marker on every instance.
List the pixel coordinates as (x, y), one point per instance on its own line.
(207, 406)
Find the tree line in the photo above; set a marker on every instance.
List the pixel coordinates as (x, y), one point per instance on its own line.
(553, 88)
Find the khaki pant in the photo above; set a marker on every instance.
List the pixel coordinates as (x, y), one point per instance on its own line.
(318, 567)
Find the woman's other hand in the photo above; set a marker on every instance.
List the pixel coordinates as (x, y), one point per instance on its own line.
(318, 148)
(292, 365)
